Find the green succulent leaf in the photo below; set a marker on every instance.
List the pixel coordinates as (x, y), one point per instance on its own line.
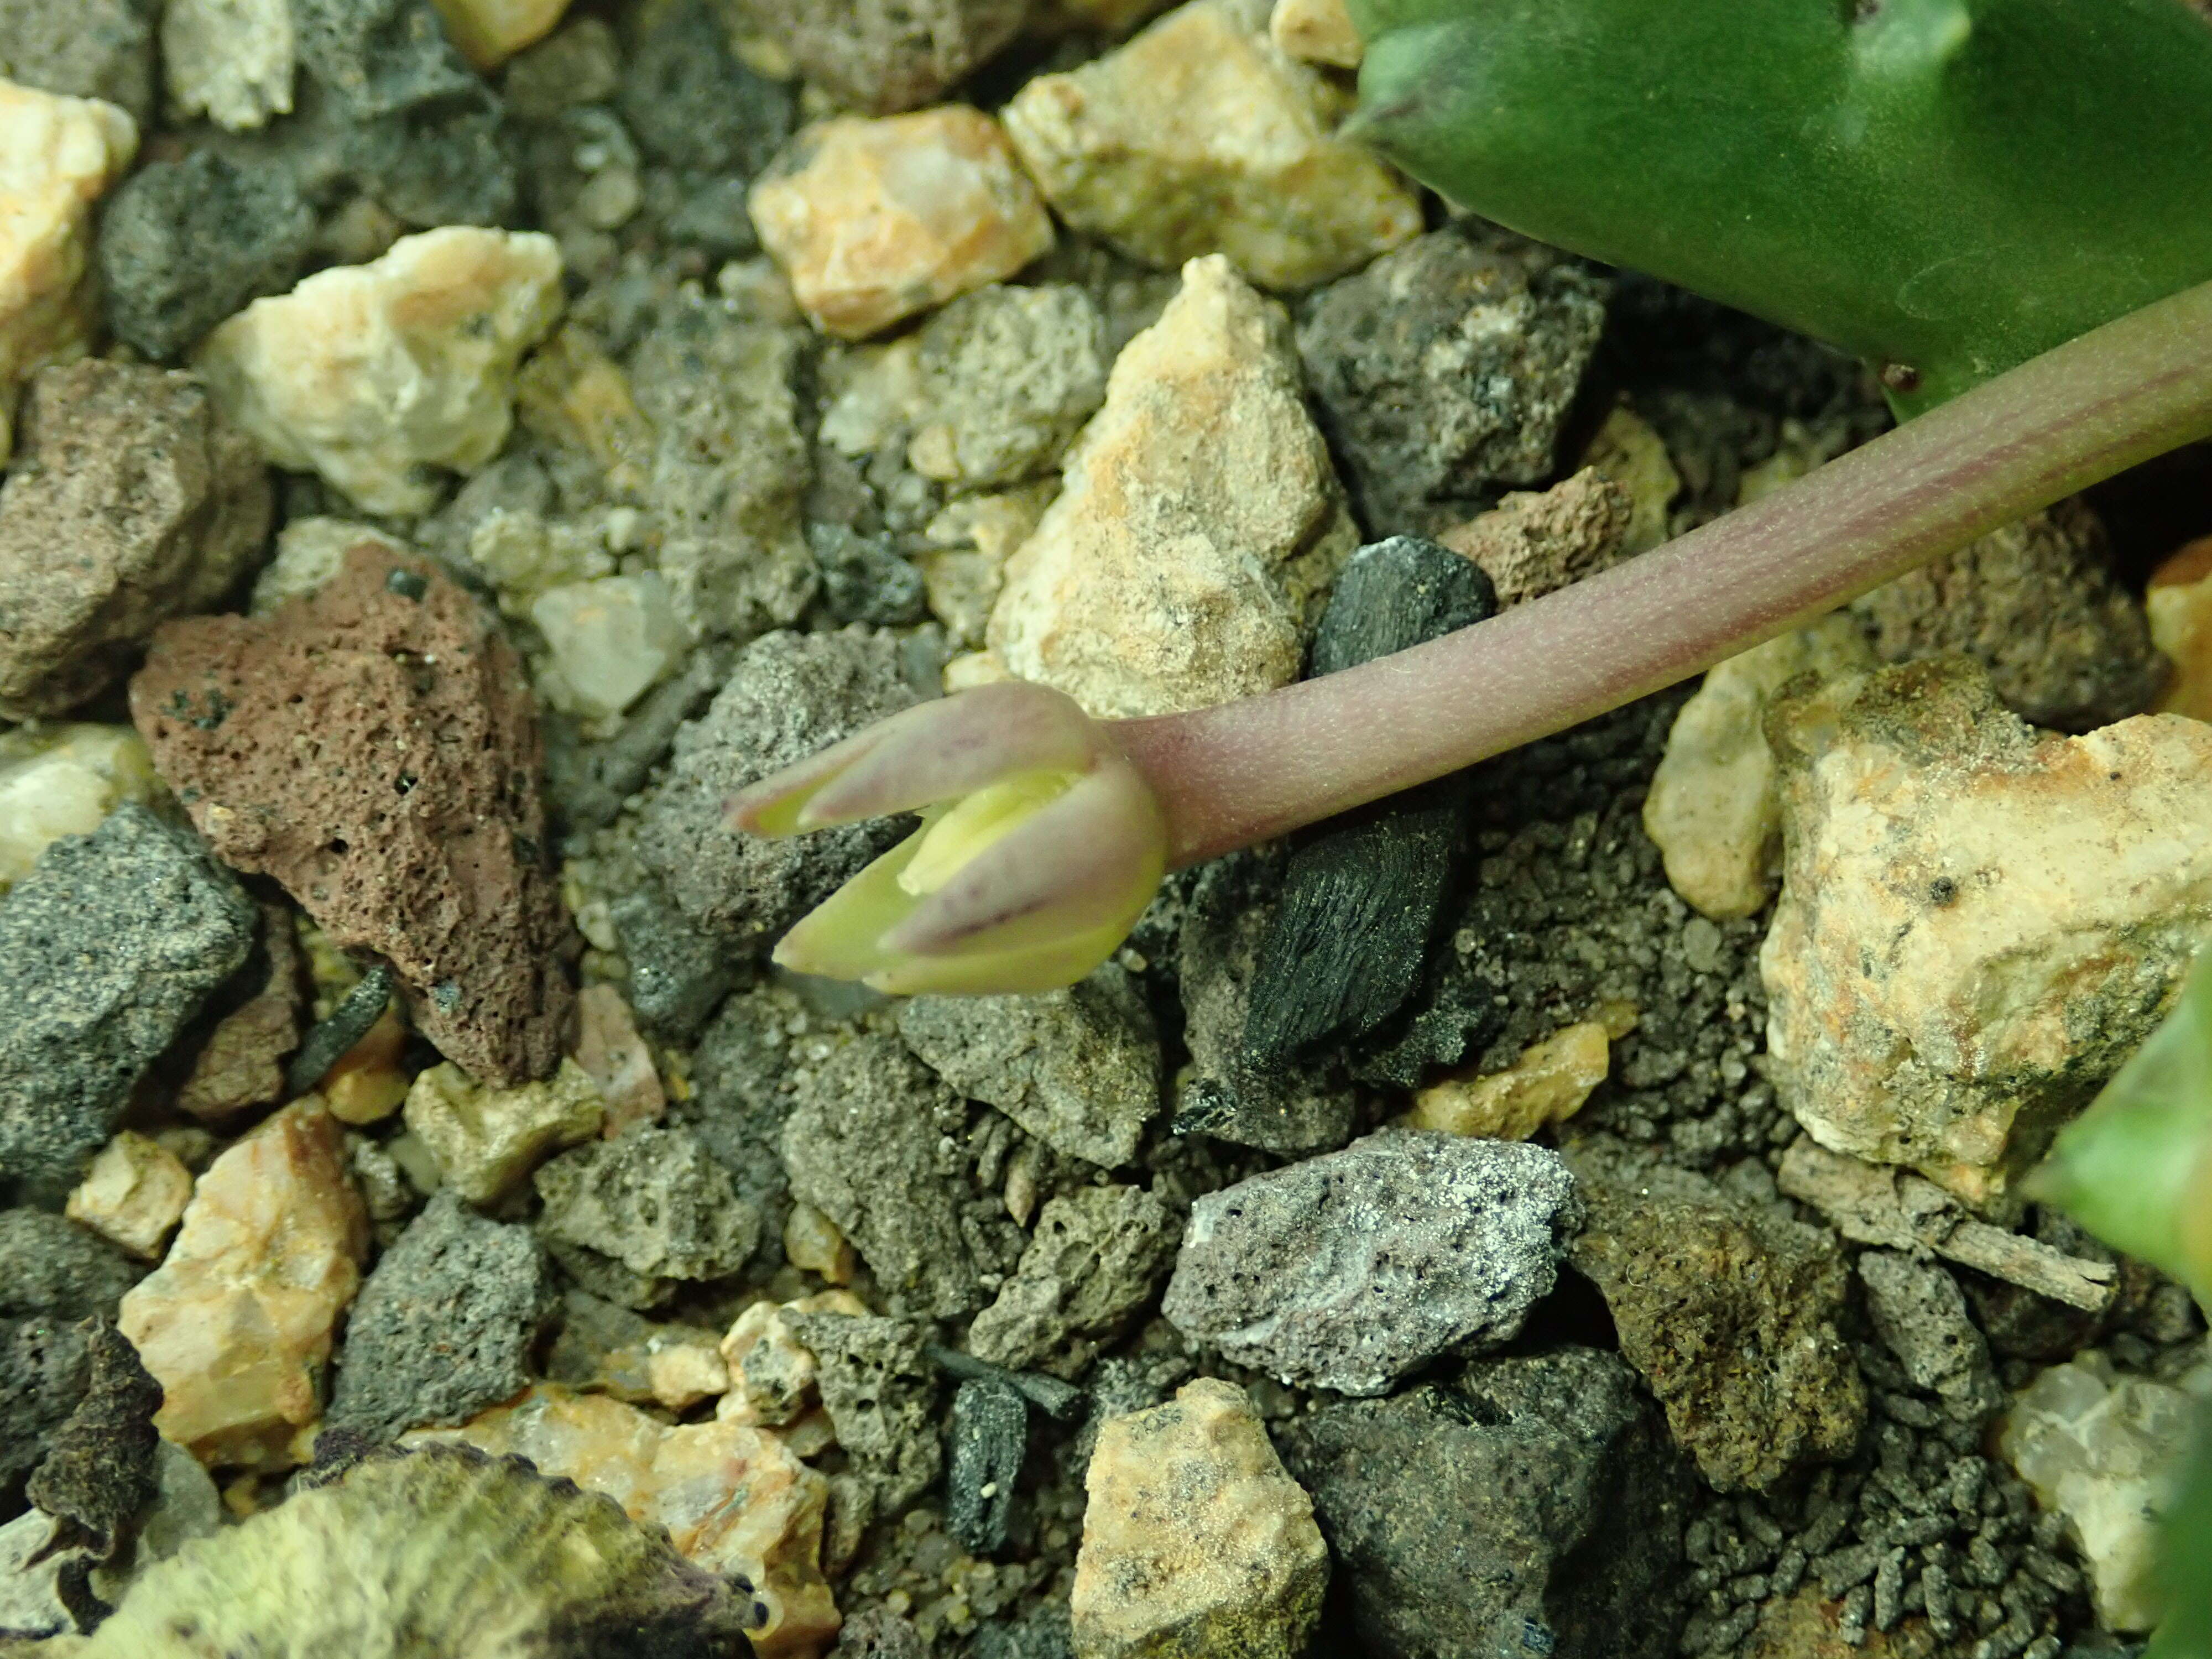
(1949, 186)
(2186, 1565)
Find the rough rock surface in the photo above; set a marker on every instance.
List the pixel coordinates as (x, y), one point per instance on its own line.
(1227, 1092)
(865, 1145)
(874, 221)
(1007, 374)
(376, 748)
(1200, 523)
(1202, 137)
(161, 505)
(1547, 1084)
(1977, 924)
(63, 778)
(108, 949)
(257, 1024)
(1531, 543)
(63, 153)
(1921, 1313)
(1728, 1310)
(1446, 367)
(95, 49)
(990, 1435)
(882, 56)
(789, 695)
(692, 103)
(236, 1324)
(880, 1389)
(1096, 1258)
(185, 244)
(1363, 893)
(445, 1326)
(2038, 605)
(373, 375)
(1195, 1543)
(134, 1191)
(654, 1200)
(1349, 1270)
(1715, 806)
(233, 61)
(735, 1500)
(486, 1141)
(1080, 1069)
(1530, 1503)
(52, 1269)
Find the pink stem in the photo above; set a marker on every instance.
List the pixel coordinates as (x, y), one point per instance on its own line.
(1245, 772)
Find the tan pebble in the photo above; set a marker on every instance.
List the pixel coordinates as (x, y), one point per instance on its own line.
(682, 1374)
(1534, 542)
(487, 1141)
(1547, 1084)
(134, 1192)
(233, 61)
(874, 221)
(1317, 31)
(489, 32)
(812, 1242)
(609, 1046)
(57, 156)
(367, 1085)
(2179, 606)
(236, 1322)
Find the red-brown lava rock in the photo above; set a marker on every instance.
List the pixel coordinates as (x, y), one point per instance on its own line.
(374, 747)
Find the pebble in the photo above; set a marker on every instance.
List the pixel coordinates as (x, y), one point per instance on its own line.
(1195, 1543)
(1227, 1092)
(1727, 1309)
(733, 1500)
(236, 1323)
(1449, 366)
(1978, 923)
(445, 1326)
(1548, 1084)
(788, 695)
(373, 747)
(1006, 377)
(1202, 137)
(1348, 1271)
(879, 1633)
(113, 945)
(1363, 893)
(881, 1392)
(2106, 1451)
(1095, 1260)
(336, 1037)
(989, 1435)
(1536, 1496)
(2179, 606)
(692, 103)
(486, 1140)
(608, 642)
(1532, 544)
(64, 780)
(1919, 1310)
(240, 1064)
(371, 375)
(608, 1048)
(2038, 603)
(185, 244)
(94, 49)
(1080, 1069)
(772, 1373)
(133, 1194)
(865, 1145)
(813, 1243)
(1200, 521)
(655, 1200)
(233, 61)
(579, 63)
(874, 221)
(163, 503)
(1715, 805)
(489, 32)
(881, 56)
(53, 1270)
(63, 154)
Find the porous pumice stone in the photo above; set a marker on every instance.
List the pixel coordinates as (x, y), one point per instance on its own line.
(437, 1553)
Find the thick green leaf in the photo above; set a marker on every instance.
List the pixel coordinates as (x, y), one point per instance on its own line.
(1951, 185)
(2186, 1566)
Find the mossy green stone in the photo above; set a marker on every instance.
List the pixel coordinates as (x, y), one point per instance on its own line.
(1948, 186)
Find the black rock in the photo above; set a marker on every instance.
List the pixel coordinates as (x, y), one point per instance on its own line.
(1534, 1508)
(689, 100)
(445, 1326)
(990, 1437)
(863, 580)
(1429, 411)
(184, 245)
(1043, 1632)
(108, 949)
(44, 1367)
(350, 1022)
(1363, 893)
(677, 972)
